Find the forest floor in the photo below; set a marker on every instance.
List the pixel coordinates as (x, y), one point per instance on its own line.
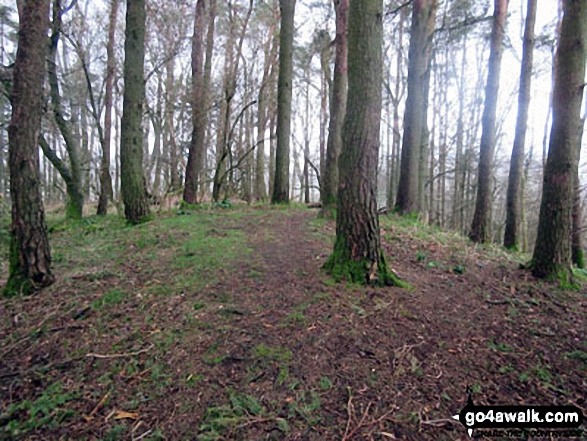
(221, 325)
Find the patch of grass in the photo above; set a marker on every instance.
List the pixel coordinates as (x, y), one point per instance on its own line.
(306, 406)
(254, 274)
(325, 384)
(283, 375)
(459, 269)
(295, 318)
(109, 298)
(219, 419)
(48, 410)
(278, 353)
(198, 305)
(211, 357)
(193, 380)
(500, 347)
(577, 355)
(115, 433)
(507, 369)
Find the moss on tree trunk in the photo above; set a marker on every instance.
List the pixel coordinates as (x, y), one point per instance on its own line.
(357, 255)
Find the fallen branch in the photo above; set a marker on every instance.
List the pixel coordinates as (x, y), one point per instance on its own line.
(90, 417)
(123, 355)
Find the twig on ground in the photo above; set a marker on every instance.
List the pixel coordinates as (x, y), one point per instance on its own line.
(143, 435)
(361, 424)
(90, 417)
(123, 355)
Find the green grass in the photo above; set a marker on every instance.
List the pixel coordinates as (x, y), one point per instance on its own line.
(221, 418)
(500, 347)
(278, 353)
(397, 227)
(48, 410)
(109, 298)
(177, 252)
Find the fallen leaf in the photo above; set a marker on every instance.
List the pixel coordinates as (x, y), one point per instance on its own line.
(121, 415)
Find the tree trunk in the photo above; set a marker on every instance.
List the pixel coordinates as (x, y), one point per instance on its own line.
(132, 185)
(480, 227)
(306, 152)
(357, 255)
(170, 104)
(457, 208)
(284, 97)
(399, 85)
(190, 193)
(30, 255)
(229, 88)
(577, 252)
(552, 253)
(423, 18)
(269, 56)
(75, 200)
(272, 148)
(514, 193)
(322, 40)
(337, 109)
(106, 193)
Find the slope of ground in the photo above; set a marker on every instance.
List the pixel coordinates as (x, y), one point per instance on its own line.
(220, 325)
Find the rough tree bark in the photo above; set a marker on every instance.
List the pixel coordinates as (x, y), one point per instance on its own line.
(284, 97)
(423, 17)
(30, 255)
(190, 193)
(132, 180)
(514, 194)
(480, 227)
(357, 255)
(552, 252)
(337, 109)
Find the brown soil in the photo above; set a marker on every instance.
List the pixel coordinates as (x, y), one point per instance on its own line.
(315, 360)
